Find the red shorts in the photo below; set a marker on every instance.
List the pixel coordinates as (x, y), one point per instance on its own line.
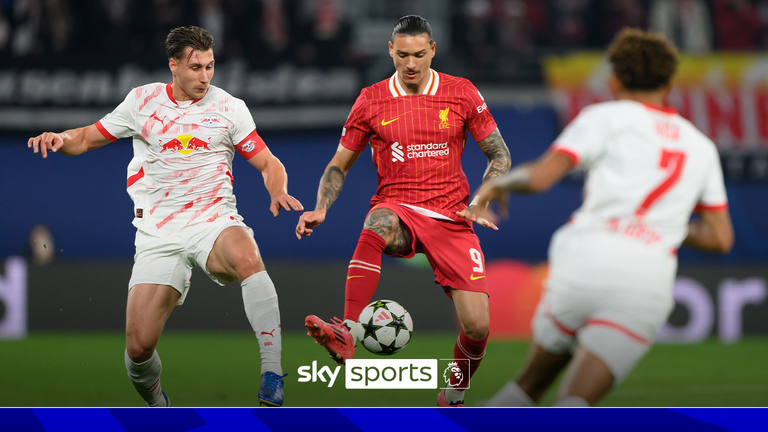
(453, 249)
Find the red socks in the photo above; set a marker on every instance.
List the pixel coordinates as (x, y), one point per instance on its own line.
(363, 274)
(471, 349)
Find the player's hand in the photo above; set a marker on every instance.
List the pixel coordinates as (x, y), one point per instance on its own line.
(473, 213)
(46, 142)
(489, 193)
(286, 202)
(307, 221)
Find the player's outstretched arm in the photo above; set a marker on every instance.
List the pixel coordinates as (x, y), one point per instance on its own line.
(72, 142)
(495, 149)
(276, 182)
(527, 178)
(713, 232)
(330, 187)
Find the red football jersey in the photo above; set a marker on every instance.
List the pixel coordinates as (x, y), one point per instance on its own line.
(418, 140)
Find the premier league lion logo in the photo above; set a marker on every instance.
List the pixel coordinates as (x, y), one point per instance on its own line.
(453, 375)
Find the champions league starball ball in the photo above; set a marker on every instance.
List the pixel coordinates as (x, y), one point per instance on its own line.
(384, 327)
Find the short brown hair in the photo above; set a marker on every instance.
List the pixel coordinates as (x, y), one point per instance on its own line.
(199, 39)
(642, 60)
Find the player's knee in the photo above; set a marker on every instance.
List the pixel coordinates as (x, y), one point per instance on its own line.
(477, 329)
(139, 352)
(247, 264)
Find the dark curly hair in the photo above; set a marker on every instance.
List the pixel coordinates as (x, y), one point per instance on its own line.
(642, 60)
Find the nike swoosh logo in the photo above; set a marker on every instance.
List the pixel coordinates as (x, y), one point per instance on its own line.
(472, 276)
(385, 122)
(350, 277)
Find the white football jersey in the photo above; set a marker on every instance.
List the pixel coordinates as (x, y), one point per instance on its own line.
(647, 170)
(181, 172)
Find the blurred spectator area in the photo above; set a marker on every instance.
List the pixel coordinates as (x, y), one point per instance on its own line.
(484, 40)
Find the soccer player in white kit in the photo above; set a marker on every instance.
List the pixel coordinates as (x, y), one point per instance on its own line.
(613, 265)
(185, 135)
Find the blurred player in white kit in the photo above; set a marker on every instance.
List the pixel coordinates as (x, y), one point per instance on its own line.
(613, 265)
(185, 135)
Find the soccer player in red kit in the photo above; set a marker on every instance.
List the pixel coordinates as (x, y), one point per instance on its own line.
(417, 123)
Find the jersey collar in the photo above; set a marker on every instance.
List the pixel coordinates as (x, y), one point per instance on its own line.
(665, 110)
(430, 89)
(170, 94)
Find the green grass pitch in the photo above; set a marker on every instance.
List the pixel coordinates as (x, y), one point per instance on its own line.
(222, 370)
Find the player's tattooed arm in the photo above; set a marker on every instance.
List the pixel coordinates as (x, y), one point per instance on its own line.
(495, 149)
(330, 187)
(386, 224)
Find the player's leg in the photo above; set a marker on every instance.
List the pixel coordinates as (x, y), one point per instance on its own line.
(585, 382)
(540, 370)
(454, 253)
(149, 306)
(235, 256)
(469, 349)
(549, 353)
(384, 232)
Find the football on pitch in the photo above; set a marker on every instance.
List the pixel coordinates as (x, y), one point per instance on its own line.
(384, 327)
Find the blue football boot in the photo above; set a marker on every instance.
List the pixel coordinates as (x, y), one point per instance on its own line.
(271, 391)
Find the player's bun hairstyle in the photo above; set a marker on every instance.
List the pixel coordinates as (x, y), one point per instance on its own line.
(412, 25)
(199, 39)
(642, 60)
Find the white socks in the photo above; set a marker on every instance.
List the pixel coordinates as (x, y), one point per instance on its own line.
(452, 395)
(146, 378)
(260, 301)
(511, 395)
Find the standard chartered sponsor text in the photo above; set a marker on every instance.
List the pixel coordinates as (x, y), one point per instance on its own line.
(427, 150)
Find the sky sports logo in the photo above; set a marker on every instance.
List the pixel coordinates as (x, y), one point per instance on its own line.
(388, 374)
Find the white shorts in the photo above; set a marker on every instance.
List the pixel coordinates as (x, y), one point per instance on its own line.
(617, 326)
(169, 260)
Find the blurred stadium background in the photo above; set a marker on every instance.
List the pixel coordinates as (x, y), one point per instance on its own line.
(66, 239)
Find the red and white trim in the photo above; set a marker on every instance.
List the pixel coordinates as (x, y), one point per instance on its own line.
(710, 207)
(556, 148)
(658, 109)
(464, 351)
(563, 328)
(104, 131)
(134, 178)
(430, 89)
(620, 328)
(169, 90)
(365, 266)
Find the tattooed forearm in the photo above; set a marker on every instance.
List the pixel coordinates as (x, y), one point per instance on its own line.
(330, 187)
(497, 153)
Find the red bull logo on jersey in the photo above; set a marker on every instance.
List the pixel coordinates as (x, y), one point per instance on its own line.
(211, 120)
(184, 144)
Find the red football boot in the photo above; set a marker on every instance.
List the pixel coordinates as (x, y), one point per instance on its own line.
(334, 337)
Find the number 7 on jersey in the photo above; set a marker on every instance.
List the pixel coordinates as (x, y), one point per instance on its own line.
(672, 161)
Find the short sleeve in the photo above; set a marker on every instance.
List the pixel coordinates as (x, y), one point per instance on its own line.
(357, 130)
(121, 122)
(713, 195)
(583, 140)
(480, 122)
(246, 140)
